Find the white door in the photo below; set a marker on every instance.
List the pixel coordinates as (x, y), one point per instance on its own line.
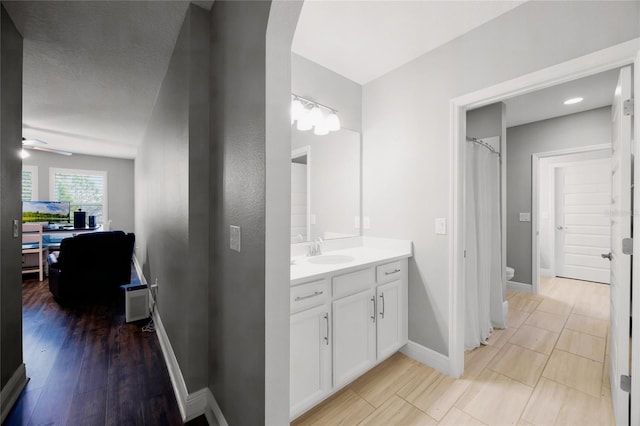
(583, 200)
(354, 336)
(389, 328)
(310, 355)
(621, 207)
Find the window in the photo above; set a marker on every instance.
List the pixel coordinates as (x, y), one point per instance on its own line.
(84, 189)
(29, 183)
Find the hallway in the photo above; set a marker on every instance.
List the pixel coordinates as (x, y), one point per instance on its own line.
(88, 367)
(549, 367)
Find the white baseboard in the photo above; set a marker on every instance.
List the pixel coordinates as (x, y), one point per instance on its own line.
(519, 287)
(12, 390)
(427, 356)
(193, 404)
(214, 413)
(505, 312)
(546, 273)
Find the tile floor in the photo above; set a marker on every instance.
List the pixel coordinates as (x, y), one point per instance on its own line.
(549, 367)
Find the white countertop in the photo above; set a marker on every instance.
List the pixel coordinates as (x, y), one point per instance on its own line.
(372, 250)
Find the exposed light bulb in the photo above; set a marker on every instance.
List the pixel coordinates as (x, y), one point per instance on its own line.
(297, 110)
(316, 116)
(573, 101)
(24, 154)
(333, 122)
(321, 129)
(304, 121)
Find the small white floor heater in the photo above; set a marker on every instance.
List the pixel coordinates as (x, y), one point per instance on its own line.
(136, 303)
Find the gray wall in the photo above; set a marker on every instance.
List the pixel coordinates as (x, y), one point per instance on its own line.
(486, 121)
(171, 199)
(237, 294)
(120, 186)
(10, 194)
(406, 129)
(315, 82)
(582, 129)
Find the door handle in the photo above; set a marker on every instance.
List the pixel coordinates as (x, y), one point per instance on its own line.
(382, 311)
(607, 256)
(560, 227)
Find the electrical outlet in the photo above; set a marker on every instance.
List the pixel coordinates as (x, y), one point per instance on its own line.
(235, 236)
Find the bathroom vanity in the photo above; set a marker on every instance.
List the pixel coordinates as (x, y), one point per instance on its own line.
(348, 313)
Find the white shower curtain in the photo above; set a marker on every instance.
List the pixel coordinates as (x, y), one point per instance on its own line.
(483, 262)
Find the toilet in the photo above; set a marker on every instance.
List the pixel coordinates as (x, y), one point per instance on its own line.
(510, 273)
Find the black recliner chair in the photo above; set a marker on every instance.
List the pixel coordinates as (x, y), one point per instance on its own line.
(91, 266)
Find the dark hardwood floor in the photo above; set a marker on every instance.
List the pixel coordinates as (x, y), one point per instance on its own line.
(88, 367)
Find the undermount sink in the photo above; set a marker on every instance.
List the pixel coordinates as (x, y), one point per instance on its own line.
(327, 259)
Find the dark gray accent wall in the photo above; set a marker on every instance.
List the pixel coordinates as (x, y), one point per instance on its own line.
(582, 129)
(172, 199)
(237, 294)
(120, 186)
(10, 194)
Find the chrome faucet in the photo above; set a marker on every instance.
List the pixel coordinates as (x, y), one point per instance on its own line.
(315, 247)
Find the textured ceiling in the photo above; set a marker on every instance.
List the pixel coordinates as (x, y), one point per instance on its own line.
(92, 70)
(363, 40)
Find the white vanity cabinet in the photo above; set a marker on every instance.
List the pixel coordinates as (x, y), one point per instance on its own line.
(354, 336)
(310, 357)
(310, 347)
(337, 337)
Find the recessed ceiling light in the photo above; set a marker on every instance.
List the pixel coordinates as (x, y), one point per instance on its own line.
(573, 101)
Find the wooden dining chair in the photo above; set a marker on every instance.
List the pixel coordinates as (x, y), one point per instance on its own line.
(32, 244)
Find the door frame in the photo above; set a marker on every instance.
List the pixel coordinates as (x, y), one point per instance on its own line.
(535, 201)
(593, 63)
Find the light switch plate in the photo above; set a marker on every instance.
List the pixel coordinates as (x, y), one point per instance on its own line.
(441, 225)
(234, 243)
(525, 217)
(366, 222)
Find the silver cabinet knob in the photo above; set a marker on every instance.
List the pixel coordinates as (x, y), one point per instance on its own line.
(560, 227)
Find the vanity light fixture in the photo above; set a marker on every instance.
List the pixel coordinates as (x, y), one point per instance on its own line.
(573, 101)
(310, 114)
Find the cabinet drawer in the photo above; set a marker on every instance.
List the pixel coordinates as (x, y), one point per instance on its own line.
(345, 285)
(388, 272)
(309, 295)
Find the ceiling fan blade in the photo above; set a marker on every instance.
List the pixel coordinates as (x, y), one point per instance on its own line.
(33, 142)
(53, 151)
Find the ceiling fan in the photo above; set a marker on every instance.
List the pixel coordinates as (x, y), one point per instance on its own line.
(38, 145)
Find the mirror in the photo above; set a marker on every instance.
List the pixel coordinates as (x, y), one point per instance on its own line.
(325, 185)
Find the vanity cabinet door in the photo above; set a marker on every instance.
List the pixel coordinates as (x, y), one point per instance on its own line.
(310, 358)
(390, 314)
(354, 336)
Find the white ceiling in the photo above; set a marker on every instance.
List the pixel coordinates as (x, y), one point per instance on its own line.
(92, 70)
(363, 40)
(597, 91)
